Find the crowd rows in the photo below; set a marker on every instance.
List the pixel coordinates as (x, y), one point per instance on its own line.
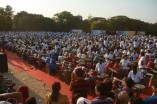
(116, 68)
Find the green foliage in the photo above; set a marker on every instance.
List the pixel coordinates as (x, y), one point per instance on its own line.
(6, 20)
(65, 21)
(32, 22)
(99, 25)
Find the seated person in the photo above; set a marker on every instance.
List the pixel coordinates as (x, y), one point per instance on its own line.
(31, 100)
(25, 92)
(100, 67)
(110, 86)
(12, 100)
(14, 95)
(135, 100)
(127, 84)
(102, 91)
(152, 99)
(83, 100)
(5, 86)
(135, 75)
(125, 61)
(123, 98)
(55, 97)
(79, 84)
(5, 102)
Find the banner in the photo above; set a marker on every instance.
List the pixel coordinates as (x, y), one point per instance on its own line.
(98, 32)
(141, 32)
(77, 30)
(126, 32)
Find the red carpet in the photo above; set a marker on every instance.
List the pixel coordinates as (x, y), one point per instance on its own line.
(21, 65)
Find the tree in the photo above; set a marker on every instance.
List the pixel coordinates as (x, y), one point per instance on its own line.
(66, 21)
(6, 18)
(33, 22)
(99, 25)
(85, 26)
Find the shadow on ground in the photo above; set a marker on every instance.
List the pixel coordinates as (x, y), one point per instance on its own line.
(11, 75)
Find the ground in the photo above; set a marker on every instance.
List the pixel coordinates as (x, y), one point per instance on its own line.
(36, 87)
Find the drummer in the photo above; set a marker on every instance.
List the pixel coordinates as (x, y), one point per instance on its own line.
(155, 63)
(135, 74)
(152, 99)
(100, 67)
(108, 58)
(125, 61)
(127, 84)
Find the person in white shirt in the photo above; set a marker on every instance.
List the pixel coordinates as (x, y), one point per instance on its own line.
(116, 52)
(125, 61)
(100, 67)
(89, 46)
(136, 76)
(155, 63)
(40, 51)
(136, 44)
(142, 61)
(134, 55)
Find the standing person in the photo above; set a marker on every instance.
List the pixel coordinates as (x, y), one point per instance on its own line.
(55, 97)
(79, 86)
(52, 66)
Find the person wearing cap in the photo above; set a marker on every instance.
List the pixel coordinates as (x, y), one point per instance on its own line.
(152, 99)
(80, 85)
(83, 100)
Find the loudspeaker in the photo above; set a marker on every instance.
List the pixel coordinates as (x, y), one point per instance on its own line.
(3, 63)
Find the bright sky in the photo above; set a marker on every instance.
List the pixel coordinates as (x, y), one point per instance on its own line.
(145, 10)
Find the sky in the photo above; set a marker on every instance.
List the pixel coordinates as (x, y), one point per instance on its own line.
(144, 10)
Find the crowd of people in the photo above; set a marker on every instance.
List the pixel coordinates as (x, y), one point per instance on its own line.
(115, 68)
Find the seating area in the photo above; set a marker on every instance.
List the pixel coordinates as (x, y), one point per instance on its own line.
(108, 60)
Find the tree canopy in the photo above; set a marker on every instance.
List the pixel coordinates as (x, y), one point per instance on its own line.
(65, 21)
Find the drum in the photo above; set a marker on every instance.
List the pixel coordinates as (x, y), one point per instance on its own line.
(113, 70)
(3, 63)
(138, 89)
(139, 86)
